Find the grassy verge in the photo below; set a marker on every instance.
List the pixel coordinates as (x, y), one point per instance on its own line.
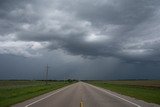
(12, 94)
(146, 93)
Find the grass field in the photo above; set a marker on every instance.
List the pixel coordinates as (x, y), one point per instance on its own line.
(148, 91)
(12, 92)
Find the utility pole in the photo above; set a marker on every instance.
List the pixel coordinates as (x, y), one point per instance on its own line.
(47, 68)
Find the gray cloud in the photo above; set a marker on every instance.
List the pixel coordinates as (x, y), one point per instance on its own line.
(125, 30)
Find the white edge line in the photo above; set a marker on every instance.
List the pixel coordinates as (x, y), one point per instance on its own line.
(47, 96)
(114, 95)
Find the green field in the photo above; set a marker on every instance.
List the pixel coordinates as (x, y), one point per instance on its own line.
(12, 92)
(148, 91)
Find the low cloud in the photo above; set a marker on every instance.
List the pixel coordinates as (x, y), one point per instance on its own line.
(128, 30)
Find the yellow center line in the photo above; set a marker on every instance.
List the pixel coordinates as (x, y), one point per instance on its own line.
(81, 103)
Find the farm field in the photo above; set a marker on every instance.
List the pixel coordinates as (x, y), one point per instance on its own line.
(147, 90)
(12, 92)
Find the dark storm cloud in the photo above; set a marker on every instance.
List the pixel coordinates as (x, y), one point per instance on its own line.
(87, 28)
(97, 35)
(123, 12)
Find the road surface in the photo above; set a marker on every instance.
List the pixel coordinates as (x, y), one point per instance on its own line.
(83, 95)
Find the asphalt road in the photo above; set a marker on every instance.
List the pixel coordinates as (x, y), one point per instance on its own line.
(83, 95)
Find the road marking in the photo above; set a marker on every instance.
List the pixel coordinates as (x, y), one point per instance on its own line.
(81, 103)
(114, 95)
(47, 96)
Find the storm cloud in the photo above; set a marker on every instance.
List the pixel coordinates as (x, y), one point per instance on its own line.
(123, 32)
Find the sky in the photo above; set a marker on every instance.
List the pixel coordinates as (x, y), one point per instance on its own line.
(80, 39)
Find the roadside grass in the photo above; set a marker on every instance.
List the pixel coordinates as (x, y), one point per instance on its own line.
(146, 93)
(12, 94)
(149, 83)
(19, 83)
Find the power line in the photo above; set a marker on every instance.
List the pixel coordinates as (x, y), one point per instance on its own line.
(47, 68)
